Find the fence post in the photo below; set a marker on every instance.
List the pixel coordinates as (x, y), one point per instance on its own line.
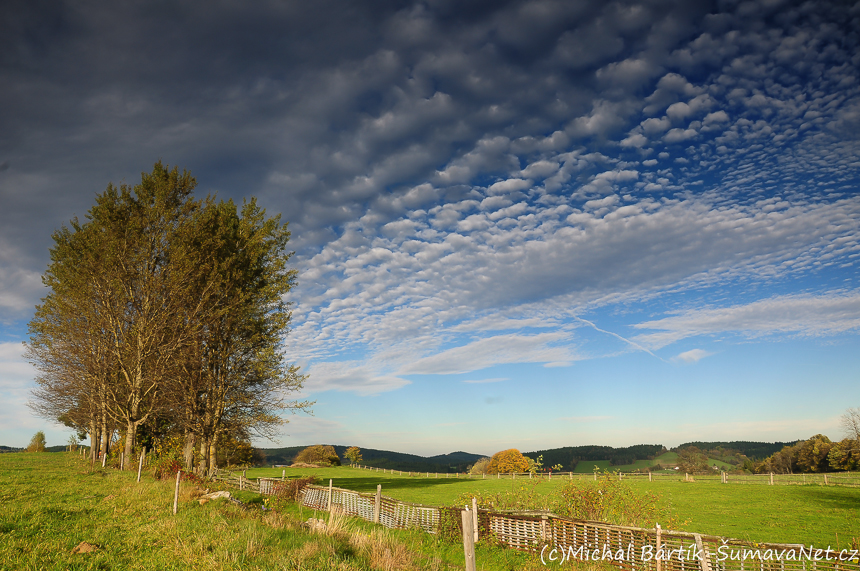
(475, 518)
(705, 564)
(771, 478)
(649, 475)
(658, 559)
(283, 475)
(121, 460)
(377, 503)
(468, 540)
(104, 459)
(176, 493)
(329, 495)
(825, 479)
(140, 466)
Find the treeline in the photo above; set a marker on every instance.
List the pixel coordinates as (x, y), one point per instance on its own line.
(816, 454)
(736, 451)
(450, 463)
(165, 318)
(569, 456)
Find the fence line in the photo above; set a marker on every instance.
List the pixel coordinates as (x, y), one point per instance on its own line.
(827, 479)
(625, 547)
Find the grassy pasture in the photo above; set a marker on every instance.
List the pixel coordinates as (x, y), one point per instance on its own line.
(51, 502)
(781, 514)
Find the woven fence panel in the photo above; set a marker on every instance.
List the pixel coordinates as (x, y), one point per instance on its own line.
(519, 532)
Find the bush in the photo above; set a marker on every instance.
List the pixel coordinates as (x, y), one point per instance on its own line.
(612, 501)
(288, 491)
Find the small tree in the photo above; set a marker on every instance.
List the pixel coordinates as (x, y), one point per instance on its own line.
(353, 453)
(318, 454)
(480, 467)
(37, 443)
(508, 462)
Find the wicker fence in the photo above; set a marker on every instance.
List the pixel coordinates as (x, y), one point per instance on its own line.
(559, 540)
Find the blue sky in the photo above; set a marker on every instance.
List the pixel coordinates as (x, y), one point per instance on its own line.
(517, 224)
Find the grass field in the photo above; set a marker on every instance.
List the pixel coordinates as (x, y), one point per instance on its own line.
(779, 514)
(51, 502)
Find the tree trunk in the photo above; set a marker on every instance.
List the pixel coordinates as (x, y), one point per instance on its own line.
(94, 439)
(213, 461)
(189, 450)
(131, 430)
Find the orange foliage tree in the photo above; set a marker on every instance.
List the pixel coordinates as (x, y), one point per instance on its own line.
(508, 461)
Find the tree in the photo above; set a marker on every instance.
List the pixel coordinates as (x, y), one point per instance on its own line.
(322, 455)
(851, 423)
(37, 443)
(507, 462)
(480, 467)
(353, 453)
(164, 307)
(693, 461)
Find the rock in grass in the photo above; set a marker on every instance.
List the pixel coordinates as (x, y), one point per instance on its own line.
(84, 547)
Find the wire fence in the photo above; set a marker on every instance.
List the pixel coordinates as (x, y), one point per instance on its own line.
(824, 479)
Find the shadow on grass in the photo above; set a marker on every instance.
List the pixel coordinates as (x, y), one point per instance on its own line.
(368, 485)
(834, 498)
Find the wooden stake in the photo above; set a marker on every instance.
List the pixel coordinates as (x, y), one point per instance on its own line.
(176, 493)
(377, 503)
(468, 540)
(658, 559)
(121, 460)
(475, 518)
(329, 495)
(705, 564)
(140, 465)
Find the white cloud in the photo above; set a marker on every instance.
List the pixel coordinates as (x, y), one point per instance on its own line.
(483, 353)
(692, 356)
(350, 376)
(805, 315)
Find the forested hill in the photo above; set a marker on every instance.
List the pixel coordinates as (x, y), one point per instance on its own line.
(453, 462)
(752, 450)
(569, 456)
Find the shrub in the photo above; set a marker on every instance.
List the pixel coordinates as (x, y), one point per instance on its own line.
(612, 501)
(288, 491)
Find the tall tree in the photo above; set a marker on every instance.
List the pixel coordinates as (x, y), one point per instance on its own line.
(161, 306)
(234, 378)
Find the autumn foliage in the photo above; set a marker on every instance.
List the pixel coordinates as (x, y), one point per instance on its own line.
(507, 462)
(318, 454)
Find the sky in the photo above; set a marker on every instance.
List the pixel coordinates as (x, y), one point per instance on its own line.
(526, 224)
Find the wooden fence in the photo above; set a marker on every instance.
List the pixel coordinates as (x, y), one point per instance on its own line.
(560, 539)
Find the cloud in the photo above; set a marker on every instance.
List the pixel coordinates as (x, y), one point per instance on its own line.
(499, 349)
(805, 315)
(483, 381)
(350, 376)
(692, 356)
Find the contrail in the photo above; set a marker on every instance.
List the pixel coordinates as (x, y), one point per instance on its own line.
(617, 336)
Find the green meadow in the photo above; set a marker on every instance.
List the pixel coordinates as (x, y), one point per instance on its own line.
(820, 515)
(52, 502)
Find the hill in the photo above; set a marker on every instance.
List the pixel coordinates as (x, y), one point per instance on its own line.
(453, 462)
(570, 456)
(753, 450)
